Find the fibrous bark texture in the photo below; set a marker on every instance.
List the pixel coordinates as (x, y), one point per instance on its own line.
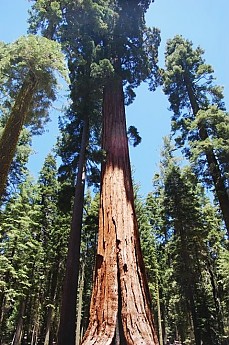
(12, 130)
(120, 306)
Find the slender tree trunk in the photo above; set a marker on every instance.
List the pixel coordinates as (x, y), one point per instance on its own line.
(80, 304)
(159, 314)
(196, 328)
(19, 327)
(12, 130)
(48, 325)
(32, 326)
(213, 165)
(2, 315)
(216, 298)
(120, 305)
(67, 326)
(35, 332)
(52, 299)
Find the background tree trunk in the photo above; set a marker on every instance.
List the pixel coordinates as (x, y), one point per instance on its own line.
(67, 327)
(120, 305)
(160, 333)
(19, 327)
(50, 311)
(80, 304)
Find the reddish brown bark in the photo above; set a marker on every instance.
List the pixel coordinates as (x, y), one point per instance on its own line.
(120, 306)
(12, 130)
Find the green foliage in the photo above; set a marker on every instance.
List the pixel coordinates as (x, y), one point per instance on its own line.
(32, 255)
(36, 56)
(217, 123)
(111, 35)
(134, 136)
(199, 120)
(189, 239)
(20, 249)
(102, 70)
(183, 63)
(18, 170)
(88, 250)
(148, 245)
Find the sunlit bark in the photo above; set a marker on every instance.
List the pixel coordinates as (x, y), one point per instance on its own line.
(12, 130)
(120, 306)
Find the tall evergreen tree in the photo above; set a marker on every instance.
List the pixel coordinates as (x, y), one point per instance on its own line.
(18, 169)
(125, 51)
(194, 237)
(78, 132)
(33, 252)
(52, 235)
(199, 114)
(28, 83)
(120, 305)
(188, 81)
(148, 244)
(20, 250)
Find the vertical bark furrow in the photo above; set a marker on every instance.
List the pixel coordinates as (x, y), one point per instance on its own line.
(120, 289)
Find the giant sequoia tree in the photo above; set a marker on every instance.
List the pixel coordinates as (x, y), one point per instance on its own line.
(199, 114)
(108, 40)
(120, 306)
(28, 86)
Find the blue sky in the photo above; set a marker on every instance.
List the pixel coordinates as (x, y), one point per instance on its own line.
(205, 22)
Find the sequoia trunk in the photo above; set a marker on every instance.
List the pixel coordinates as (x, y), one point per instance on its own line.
(12, 130)
(120, 305)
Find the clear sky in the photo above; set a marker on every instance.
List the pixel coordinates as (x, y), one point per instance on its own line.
(205, 22)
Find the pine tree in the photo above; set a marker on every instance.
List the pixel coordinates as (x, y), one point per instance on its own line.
(87, 261)
(149, 251)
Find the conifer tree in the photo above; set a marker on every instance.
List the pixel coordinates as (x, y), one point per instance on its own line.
(124, 52)
(87, 261)
(193, 240)
(29, 84)
(52, 235)
(19, 253)
(199, 115)
(18, 169)
(33, 252)
(120, 298)
(78, 128)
